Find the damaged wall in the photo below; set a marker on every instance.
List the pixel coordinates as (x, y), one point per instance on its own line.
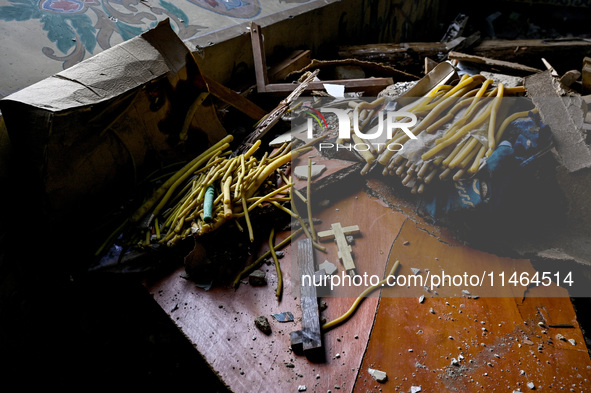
(321, 30)
(223, 53)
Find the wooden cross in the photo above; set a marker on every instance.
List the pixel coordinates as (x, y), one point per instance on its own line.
(339, 233)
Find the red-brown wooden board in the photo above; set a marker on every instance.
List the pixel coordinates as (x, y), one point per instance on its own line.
(502, 344)
(220, 322)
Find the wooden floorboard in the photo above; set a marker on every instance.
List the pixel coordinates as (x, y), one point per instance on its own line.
(492, 335)
(219, 322)
(499, 340)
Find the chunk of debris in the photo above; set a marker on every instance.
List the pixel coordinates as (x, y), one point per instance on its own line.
(415, 389)
(262, 323)
(257, 278)
(531, 385)
(415, 270)
(302, 388)
(568, 139)
(319, 278)
(283, 316)
(570, 77)
(397, 89)
(302, 171)
(506, 80)
(406, 243)
(421, 298)
(281, 139)
(560, 337)
(572, 341)
(329, 267)
(378, 375)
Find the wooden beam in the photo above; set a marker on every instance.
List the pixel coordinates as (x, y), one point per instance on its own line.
(368, 85)
(273, 117)
(494, 64)
(295, 61)
(234, 99)
(308, 340)
(527, 52)
(259, 57)
(530, 51)
(402, 54)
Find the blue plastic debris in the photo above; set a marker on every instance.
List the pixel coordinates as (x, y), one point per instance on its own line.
(283, 317)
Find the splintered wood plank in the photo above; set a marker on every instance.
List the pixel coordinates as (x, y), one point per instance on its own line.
(370, 86)
(308, 340)
(234, 99)
(259, 57)
(493, 63)
(220, 322)
(390, 52)
(295, 61)
(480, 340)
(530, 51)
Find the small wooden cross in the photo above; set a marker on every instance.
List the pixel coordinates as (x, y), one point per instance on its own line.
(339, 233)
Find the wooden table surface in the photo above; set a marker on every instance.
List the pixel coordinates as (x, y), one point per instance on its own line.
(496, 341)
